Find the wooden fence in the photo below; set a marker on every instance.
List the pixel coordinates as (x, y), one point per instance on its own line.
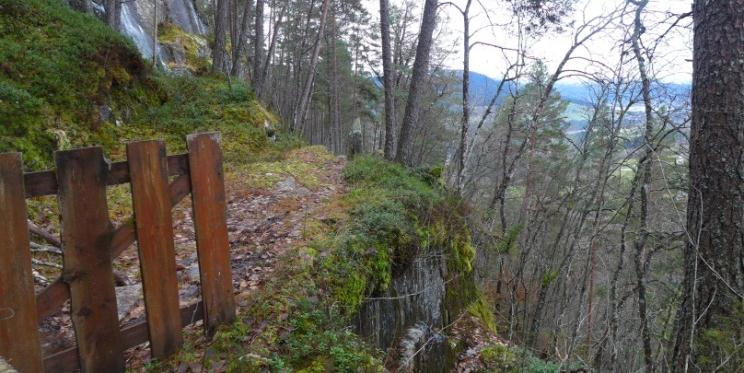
(90, 243)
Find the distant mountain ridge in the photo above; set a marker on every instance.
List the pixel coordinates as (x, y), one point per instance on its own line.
(483, 88)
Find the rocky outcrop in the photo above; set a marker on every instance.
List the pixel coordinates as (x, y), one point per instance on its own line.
(138, 20)
(410, 321)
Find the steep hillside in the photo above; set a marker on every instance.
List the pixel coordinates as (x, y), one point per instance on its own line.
(68, 80)
(338, 266)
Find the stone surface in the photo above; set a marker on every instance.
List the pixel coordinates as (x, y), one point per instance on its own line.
(128, 298)
(5, 367)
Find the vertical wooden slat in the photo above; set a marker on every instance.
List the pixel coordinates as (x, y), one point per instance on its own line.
(86, 237)
(19, 335)
(208, 195)
(148, 170)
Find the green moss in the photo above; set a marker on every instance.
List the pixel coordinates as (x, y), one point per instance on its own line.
(287, 326)
(193, 46)
(511, 359)
(716, 342)
(59, 68)
(482, 310)
(499, 358)
(394, 215)
(205, 104)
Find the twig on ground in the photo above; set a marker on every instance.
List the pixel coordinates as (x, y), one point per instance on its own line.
(39, 278)
(39, 248)
(48, 237)
(45, 264)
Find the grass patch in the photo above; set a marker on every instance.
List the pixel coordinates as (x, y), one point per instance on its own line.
(300, 164)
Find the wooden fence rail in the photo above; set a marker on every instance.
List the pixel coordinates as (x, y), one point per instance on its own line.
(91, 243)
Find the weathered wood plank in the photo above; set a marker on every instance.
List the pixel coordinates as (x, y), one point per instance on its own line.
(19, 335)
(210, 209)
(133, 334)
(44, 183)
(41, 183)
(53, 296)
(152, 211)
(86, 237)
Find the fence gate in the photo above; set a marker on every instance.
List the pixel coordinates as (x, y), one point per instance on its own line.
(90, 243)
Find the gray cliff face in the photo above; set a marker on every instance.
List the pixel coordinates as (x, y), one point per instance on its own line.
(138, 19)
(134, 15)
(184, 14)
(410, 319)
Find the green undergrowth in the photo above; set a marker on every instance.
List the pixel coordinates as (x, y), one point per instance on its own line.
(482, 310)
(395, 215)
(299, 320)
(56, 68)
(296, 161)
(511, 359)
(198, 104)
(67, 80)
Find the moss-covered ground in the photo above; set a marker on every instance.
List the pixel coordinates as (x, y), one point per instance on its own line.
(67, 80)
(298, 320)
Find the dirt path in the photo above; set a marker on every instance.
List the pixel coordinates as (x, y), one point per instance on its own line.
(263, 223)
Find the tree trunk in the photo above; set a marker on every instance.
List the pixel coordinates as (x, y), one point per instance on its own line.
(155, 33)
(80, 5)
(334, 87)
(220, 34)
(389, 82)
(418, 78)
(258, 44)
(113, 10)
(232, 16)
(307, 91)
(272, 46)
(465, 121)
(645, 169)
(242, 39)
(714, 257)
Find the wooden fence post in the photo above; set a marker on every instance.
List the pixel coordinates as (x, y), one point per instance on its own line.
(148, 168)
(19, 335)
(210, 209)
(86, 237)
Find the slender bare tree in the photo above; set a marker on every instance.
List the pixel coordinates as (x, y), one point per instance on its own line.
(258, 45)
(242, 39)
(307, 90)
(389, 80)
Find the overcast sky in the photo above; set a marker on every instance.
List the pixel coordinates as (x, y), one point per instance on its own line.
(672, 57)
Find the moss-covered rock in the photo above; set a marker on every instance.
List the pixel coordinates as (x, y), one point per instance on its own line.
(408, 253)
(68, 80)
(188, 53)
(61, 72)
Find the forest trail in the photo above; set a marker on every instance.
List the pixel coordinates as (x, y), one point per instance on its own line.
(268, 209)
(264, 218)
